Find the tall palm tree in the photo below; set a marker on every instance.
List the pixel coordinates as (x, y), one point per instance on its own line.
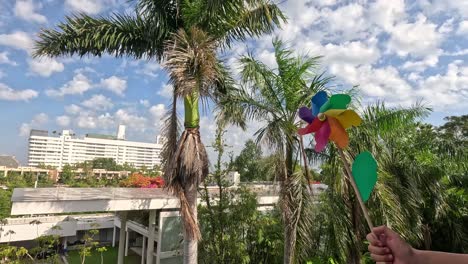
(186, 35)
(272, 97)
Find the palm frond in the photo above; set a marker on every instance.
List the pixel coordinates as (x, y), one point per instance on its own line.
(119, 35)
(192, 63)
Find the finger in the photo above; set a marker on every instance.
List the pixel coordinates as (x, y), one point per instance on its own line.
(373, 240)
(379, 250)
(380, 230)
(382, 258)
(384, 230)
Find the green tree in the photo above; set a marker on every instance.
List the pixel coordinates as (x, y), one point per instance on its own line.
(272, 96)
(104, 163)
(67, 175)
(248, 163)
(89, 244)
(188, 35)
(234, 230)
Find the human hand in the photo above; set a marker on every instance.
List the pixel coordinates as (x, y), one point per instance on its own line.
(386, 246)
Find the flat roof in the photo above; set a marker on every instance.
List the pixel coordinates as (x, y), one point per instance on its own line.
(70, 200)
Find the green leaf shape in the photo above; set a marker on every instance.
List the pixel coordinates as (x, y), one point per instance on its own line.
(336, 101)
(365, 174)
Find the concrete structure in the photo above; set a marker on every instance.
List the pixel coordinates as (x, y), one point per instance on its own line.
(22, 170)
(65, 148)
(67, 227)
(158, 243)
(161, 206)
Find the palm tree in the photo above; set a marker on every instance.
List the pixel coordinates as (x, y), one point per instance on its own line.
(272, 97)
(187, 35)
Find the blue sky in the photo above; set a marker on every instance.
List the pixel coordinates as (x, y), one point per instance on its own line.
(397, 51)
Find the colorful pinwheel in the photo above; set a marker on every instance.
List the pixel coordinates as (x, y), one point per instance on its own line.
(329, 119)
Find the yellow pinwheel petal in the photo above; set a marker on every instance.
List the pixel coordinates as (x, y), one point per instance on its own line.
(348, 119)
(334, 112)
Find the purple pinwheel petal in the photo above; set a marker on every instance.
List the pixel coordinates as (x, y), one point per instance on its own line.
(318, 100)
(321, 137)
(305, 114)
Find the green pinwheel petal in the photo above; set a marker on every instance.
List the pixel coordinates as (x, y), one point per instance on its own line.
(337, 101)
(365, 174)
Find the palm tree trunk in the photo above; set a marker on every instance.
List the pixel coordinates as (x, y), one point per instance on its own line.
(190, 242)
(289, 211)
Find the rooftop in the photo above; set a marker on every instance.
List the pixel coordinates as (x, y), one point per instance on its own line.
(8, 161)
(73, 200)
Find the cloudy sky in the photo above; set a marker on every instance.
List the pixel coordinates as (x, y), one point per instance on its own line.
(397, 51)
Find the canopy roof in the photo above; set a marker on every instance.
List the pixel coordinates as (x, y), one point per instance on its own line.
(71, 200)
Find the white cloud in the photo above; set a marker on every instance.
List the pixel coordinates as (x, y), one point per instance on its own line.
(98, 102)
(72, 109)
(45, 66)
(144, 102)
(446, 7)
(419, 39)
(91, 7)
(446, 27)
(25, 9)
(386, 13)
(17, 40)
(339, 22)
(151, 69)
(380, 83)
(37, 122)
(114, 84)
(349, 52)
(9, 94)
(78, 85)
(446, 91)
(157, 112)
(2, 74)
(422, 65)
(63, 121)
(463, 28)
(131, 119)
(90, 120)
(324, 2)
(166, 90)
(5, 60)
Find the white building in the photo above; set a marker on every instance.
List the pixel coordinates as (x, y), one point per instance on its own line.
(66, 148)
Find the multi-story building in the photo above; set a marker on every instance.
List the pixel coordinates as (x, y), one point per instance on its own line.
(65, 148)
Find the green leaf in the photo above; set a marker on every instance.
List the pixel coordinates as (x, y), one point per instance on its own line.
(365, 174)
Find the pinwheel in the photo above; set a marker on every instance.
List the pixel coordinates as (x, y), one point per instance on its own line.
(329, 119)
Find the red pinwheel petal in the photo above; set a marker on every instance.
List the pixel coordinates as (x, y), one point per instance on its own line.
(321, 137)
(310, 128)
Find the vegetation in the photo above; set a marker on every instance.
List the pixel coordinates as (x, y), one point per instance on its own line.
(252, 165)
(422, 191)
(272, 97)
(234, 230)
(109, 256)
(141, 181)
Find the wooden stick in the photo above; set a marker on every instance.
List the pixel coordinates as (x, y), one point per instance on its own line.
(306, 167)
(356, 190)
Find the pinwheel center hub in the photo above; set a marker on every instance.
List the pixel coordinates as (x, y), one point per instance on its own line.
(322, 117)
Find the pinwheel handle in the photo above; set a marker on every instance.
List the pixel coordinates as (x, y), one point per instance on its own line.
(356, 190)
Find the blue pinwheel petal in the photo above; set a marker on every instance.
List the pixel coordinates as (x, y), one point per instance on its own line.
(318, 100)
(306, 114)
